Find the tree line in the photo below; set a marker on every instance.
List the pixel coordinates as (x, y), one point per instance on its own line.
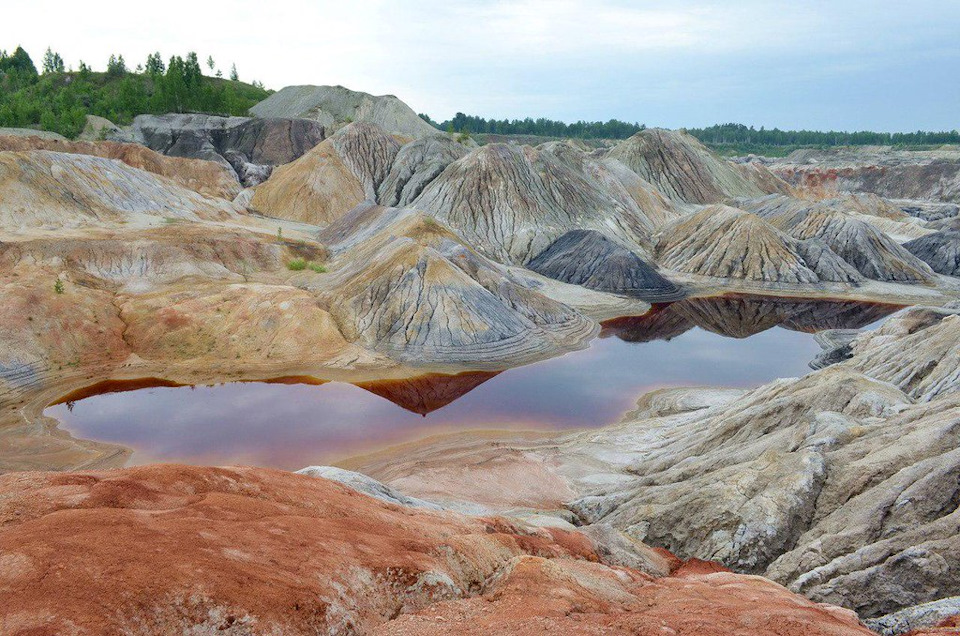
(739, 134)
(59, 99)
(471, 124)
(724, 137)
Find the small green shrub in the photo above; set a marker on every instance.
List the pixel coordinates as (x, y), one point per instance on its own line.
(58, 286)
(317, 267)
(297, 265)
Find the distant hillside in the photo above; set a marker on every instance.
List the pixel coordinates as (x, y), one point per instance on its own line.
(58, 100)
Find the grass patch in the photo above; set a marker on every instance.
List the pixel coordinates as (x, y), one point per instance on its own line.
(299, 264)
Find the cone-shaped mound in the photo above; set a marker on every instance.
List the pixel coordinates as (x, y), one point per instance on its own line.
(511, 202)
(618, 181)
(723, 242)
(588, 258)
(413, 290)
(940, 250)
(42, 188)
(331, 179)
(873, 253)
(682, 168)
(416, 165)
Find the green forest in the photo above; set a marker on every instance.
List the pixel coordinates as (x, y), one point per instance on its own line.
(58, 99)
(725, 138)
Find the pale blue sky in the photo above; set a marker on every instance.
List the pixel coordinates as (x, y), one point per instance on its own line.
(841, 64)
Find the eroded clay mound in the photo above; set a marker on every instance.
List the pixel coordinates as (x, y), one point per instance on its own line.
(723, 242)
(618, 182)
(144, 259)
(416, 165)
(786, 212)
(932, 175)
(941, 251)
(249, 148)
(870, 251)
(336, 106)
(331, 179)
(265, 551)
(588, 258)
(682, 168)
(512, 201)
(205, 177)
(413, 290)
(55, 189)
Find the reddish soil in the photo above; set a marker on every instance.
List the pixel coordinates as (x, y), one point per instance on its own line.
(172, 549)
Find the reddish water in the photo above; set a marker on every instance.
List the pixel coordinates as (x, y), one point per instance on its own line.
(734, 341)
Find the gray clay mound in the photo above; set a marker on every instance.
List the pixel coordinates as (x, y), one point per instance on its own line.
(590, 259)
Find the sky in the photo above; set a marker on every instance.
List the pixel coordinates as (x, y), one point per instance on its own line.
(842, 65)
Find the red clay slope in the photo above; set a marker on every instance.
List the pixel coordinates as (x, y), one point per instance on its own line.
(168, 548)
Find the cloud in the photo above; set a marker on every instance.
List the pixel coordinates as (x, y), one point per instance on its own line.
(686, 62)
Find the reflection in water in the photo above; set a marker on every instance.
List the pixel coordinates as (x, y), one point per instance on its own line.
(743, 315)
(428, 393)
(287, 425)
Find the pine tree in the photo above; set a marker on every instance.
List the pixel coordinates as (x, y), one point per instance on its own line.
(210, 62)
(116, 67)
(233, 73)
(155, 65)
(52, 62)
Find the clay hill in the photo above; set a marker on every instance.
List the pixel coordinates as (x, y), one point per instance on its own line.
(334, 106)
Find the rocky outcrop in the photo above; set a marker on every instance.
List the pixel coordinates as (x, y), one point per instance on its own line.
(836, 345)
(511, 202)
(416, 165)
(932, 175)
(723, 242)
(842, 484)
(100, 129)
(60, 190)
(249, 148)
(682, 168)
(871, 252)
(331, 179)
(941, 251)
(921, 620)
(366, 485)
(265, 551)
(335, 106)
(206, 177)
(588, 258)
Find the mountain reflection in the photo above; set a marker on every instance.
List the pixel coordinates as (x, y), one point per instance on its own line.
(743, 315)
